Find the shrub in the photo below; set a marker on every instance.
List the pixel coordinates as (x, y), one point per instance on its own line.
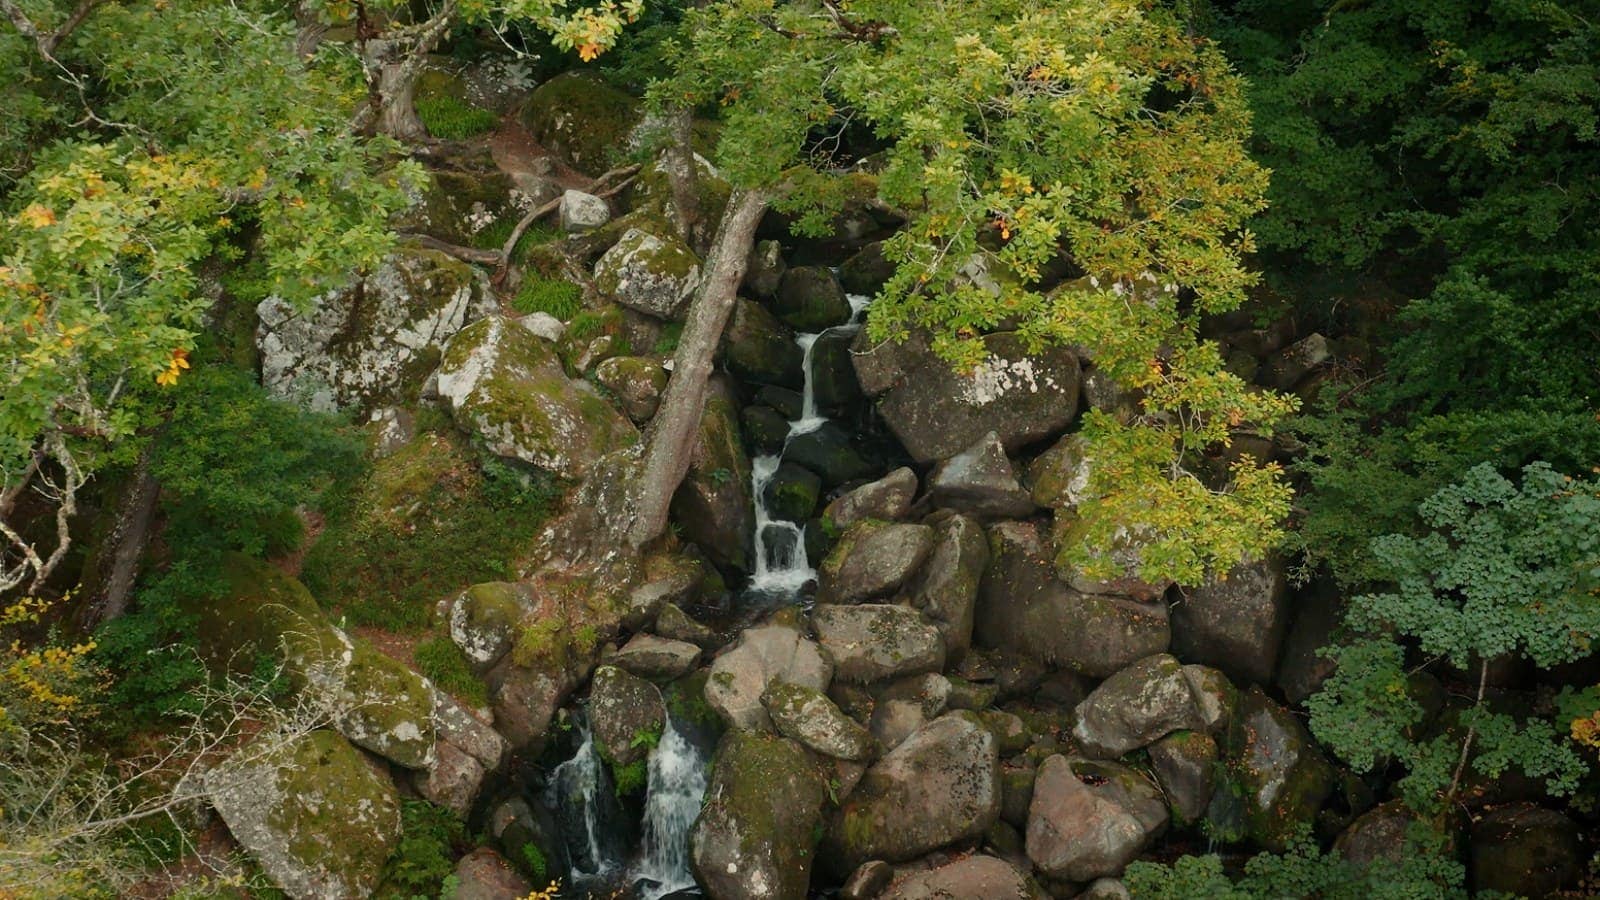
(450, 119)
(561, 299)
(425, 856)
(444, 663)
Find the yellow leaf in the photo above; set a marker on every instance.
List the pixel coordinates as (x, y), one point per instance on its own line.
(38, 216)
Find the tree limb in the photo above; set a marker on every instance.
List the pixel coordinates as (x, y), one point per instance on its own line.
(627, 173)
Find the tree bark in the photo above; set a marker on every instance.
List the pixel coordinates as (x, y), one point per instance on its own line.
(672, 433)
(126, 543)
(683, 176)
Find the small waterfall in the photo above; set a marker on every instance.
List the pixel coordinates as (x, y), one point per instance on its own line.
(581, 793)
(677, 783)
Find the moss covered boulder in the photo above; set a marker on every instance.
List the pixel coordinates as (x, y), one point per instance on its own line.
(1275, 770)
(313, 814)
(362, 346)
(810, 299)
(877, 641)
(758, 348)
(1136, 707)
(873, 559)
(485, 620)
(507, 386)
(464, 206)
(756, 831)
(583, 119)
(637, 382)
(808, 716)
(713, 505)
(649, 273)
(626, 715)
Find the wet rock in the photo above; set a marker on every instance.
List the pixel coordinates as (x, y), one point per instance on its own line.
(810, 299)
(875, 642)
(636, 382)
(580, 212)
(1024, 606)
(969, 878)
(792, 493)
(485, 619)
(765, 429)
(833, 374)
(485, 875)
(713, 504)
(809, 717)
(937, 412)
(1280, 775)
(1185, 765)
(1090, 819)
(648, 273)
(675, 624)
(312, 813)
(1521, 849)
(1135, 707)
(759, 349)
(657, 658)
(833, 453)
(625, 711)
(764, 272)
(509, 388)
(872, 559)
(946, 586)
(1234, 623)
(866, 272)
(742, 673)
(940, 786)
(887, 499)
(979, 481)
(756, 831)
(868, 881)
(359, 347)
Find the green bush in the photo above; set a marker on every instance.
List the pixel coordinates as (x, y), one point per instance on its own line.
(429, 838)
(444, 663)
(450, 119)
(561, 299)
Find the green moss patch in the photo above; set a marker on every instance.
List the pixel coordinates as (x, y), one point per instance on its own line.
(561, 299)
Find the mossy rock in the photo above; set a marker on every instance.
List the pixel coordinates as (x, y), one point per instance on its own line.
(627, 715)
(713, 505)
(317, 818)
(582, 118)
(653, 188)
(792, 493)
(761, 819)
(1276, 770)
(484, 620)
(648, 272)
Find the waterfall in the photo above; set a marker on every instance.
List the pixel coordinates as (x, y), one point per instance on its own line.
(677, 783)
(781, 566)
(581, 793)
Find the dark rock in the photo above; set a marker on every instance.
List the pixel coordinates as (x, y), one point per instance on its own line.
(833, 374)
(972, 695)
(1185, 764)
(765, 429)
(675, 624)
(1281, 776)
(810, 299)
(792, 493)
(1523, 850)
(874, 642)
(1010, 734)
(1380, 834)
(1298, 360)
(867, 271)
(980, 481)
(887, 499)
(1090, 819)
(765, 269)
(791, 404)
(872, 559)
(1234, 623)
(713, 504)
(1302, 668)
(754, 837)
(832, 453)
(968, 878)
(1016, 793)
(485, 875)
(759, 349)
(946, 587)
(1135, 707)
(622, 708)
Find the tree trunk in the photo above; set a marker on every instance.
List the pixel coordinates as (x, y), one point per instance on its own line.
(124, 547)
(672, 433)
(309, 30)
(683, 176)
(392, 94)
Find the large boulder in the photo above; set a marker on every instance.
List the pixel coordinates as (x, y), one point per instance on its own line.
(946, 587)
(874, 642)
(791, 493)
(759, 349)
(507, 386)
(626, 715)
(837, 456)
(968, 878)
(580, 212)
(485, 619)
(937, 411)
(1274, 768)
(1524, 850)
(889, 498)
(1023, 606)
(467, 197)
(742, 673)
(649, 274)
(1135, 707)
(1235, 623)
(467, 750)
(1185, 765)
(358, 347)
(713, 505)
(807, 715)
(764, 269)
(866, 272)
(485, 875)
(317, 818)
(1090, 819)
(636, 381)
(754, 837)
(810, 299)
(582, 119)
(872, 559)
(833, 373)
(939, 786)
(658, 658)
(980, 481)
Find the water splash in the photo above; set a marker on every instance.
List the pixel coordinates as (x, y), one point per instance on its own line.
(677, 783)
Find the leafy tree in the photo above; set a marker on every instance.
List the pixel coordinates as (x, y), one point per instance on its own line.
(1015, 133)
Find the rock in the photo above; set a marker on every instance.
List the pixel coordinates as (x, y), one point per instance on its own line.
(1135, 707)
(485, 875)
(544, 325)
(831, 452)
(713, 504)
(626, 714)
(464, 199)
(1126, 557)
(790, 404)
(970, 878)
(657, 658)
(792, 493)
(1059, 477)
(1185, 765)
(362, 346)
(1236, 623)
(1010, 734)
(1102, 392)
(940, 786)
(636, 382)
(765, 429)
(900, 708)
(312, 813)
(1379, 834)
(874, 642)
(509, 388)
(1090, 819)
(668, 579)
(524, 700)
(485, 620)
(1297, 360)
(979, 481)
(582, 119)
(937, 412)
(1277, 771)
(742, 673)
(1016, 793)
(889, 498)
(653, 275)
(833, 376)
(675, 624)
(867, 271)
(1025, 607)
(810, 299)
(755, 833)
(1106, 889)
(757, 348)
(467, 750)
(946, 587)
(872, 559)
(867, 881)
(1521, 849)
(764, 271)
(580, 212)
(1301, 666)
(972, 695)
(1215, 697)
(807, 716)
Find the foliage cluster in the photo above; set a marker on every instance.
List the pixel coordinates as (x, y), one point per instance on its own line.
(446, 666)
(430, 839)
(559, 298)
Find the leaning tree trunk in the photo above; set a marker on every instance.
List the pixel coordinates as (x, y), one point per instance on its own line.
(672, 433)
(124, 547)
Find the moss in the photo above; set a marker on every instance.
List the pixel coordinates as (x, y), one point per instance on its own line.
(334, 812)
(582, 118)
(686, 699)
(667, 343)
(450, 119)
(446, 666)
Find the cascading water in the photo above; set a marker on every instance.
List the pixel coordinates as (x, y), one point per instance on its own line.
(781, 566)
(580, 791)
(677, 783)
